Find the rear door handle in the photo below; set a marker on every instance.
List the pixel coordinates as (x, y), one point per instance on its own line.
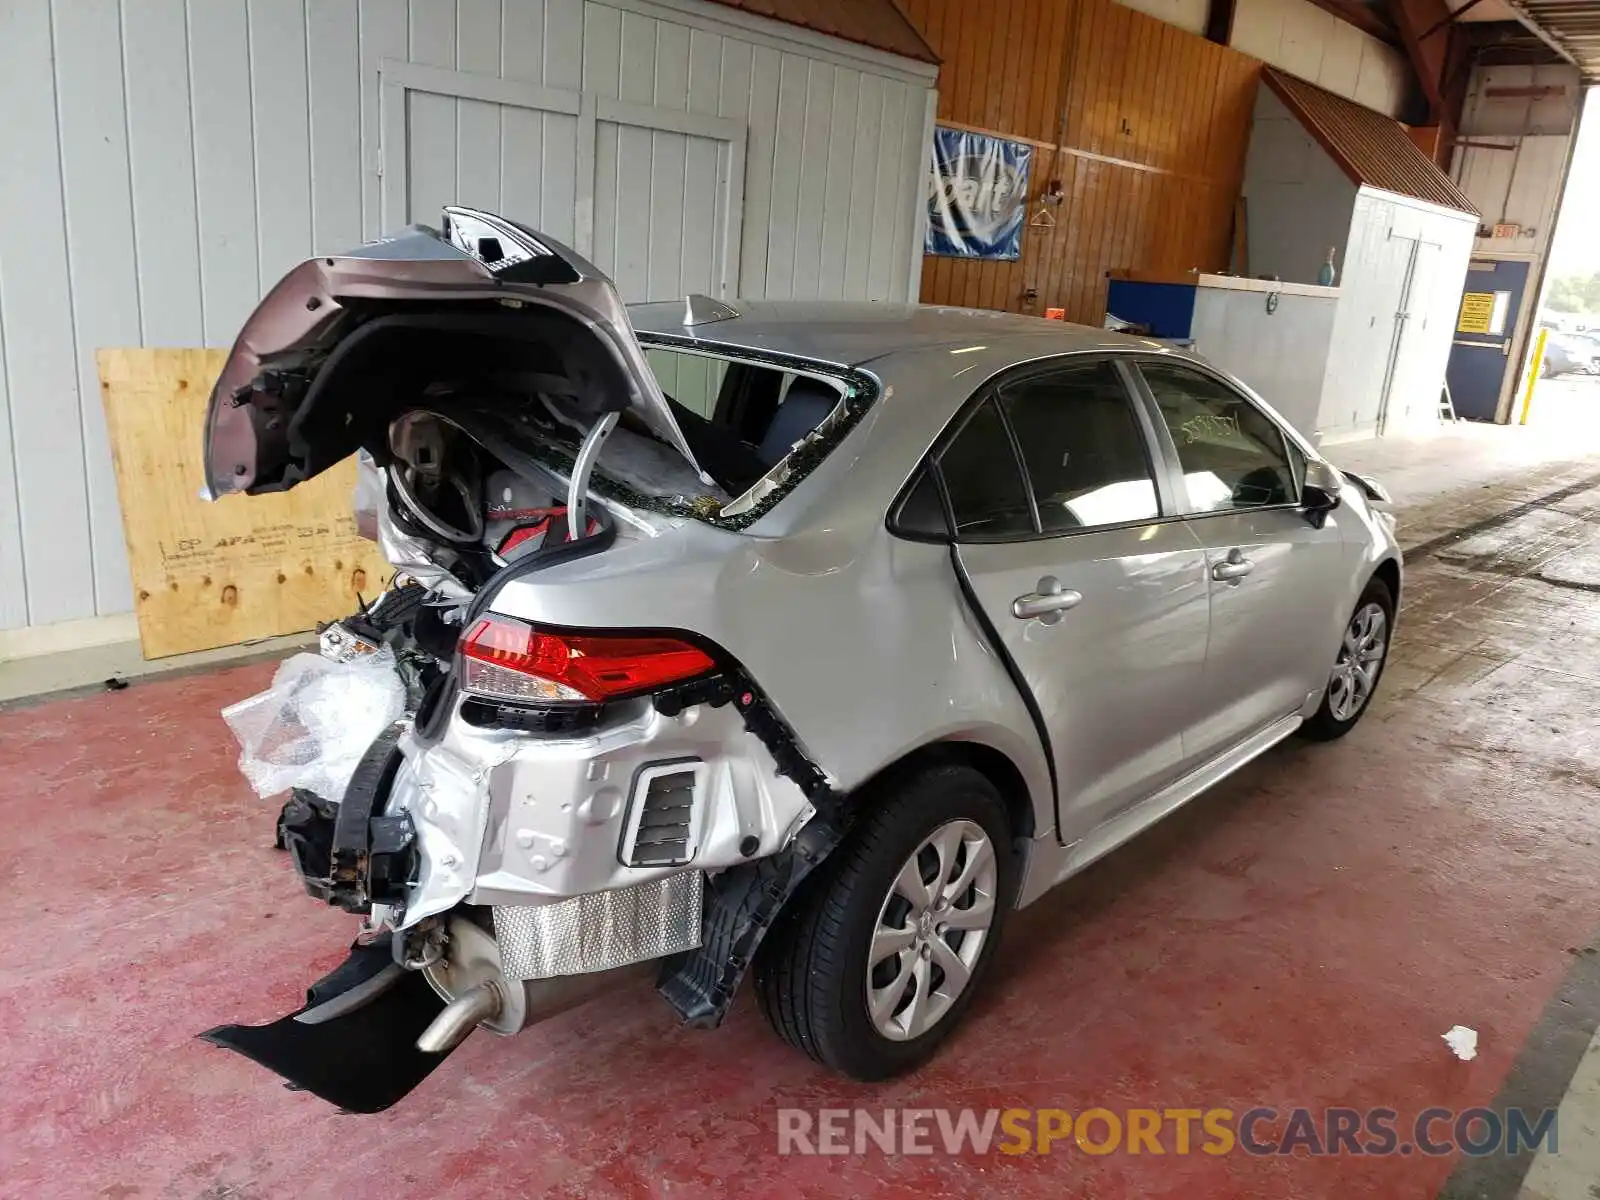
(1047, 604)
(1233, 568)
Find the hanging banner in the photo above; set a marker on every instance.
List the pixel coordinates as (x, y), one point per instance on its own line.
(977, 195)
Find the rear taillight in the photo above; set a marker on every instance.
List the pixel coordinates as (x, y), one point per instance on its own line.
(511, 660)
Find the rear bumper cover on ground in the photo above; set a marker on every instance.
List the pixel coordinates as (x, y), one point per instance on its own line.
(362, 1061)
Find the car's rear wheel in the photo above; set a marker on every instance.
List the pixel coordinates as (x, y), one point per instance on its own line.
(1357, 666)
(878, 957)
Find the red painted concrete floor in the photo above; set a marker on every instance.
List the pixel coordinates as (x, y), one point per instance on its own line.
(1300, 936)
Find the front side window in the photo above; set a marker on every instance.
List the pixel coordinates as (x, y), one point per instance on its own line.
(1232, 454)
(1083, 448)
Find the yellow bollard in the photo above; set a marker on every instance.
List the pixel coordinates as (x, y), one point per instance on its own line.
(1533, 375)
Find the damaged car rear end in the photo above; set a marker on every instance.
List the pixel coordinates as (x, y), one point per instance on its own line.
(578, 789)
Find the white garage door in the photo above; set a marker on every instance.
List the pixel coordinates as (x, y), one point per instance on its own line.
(654, 196)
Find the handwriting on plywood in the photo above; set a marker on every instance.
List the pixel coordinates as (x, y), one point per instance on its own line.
(208, 574)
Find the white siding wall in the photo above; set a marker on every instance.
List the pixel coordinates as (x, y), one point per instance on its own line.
(1315, 45)
(1297, 200)
(177, 156)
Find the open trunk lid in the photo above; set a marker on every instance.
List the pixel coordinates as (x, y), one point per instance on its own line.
(307, 376)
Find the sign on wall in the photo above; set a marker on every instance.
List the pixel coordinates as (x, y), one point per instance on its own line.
(977, 195)
(1483, 312)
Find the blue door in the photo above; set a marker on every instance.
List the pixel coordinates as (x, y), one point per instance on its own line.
(1480, 355)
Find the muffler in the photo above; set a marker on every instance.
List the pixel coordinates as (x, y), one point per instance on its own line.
(471, 980)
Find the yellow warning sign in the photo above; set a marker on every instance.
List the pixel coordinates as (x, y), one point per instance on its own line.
(1477, 312)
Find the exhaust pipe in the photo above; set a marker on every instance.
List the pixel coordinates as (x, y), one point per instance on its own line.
(460, 1017)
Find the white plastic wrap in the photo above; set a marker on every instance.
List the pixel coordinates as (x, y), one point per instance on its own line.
(311, 727)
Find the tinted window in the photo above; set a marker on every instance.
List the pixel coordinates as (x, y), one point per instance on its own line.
(922, 511)
(1083, 448)
(980, 474)
(1232, 455)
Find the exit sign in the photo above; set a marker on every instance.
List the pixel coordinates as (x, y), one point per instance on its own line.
(1507, 231)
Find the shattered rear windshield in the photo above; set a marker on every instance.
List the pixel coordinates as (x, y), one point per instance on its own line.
(733, 399)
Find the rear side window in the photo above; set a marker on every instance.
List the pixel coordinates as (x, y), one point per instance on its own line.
(1085, 453)
(921, 513)
(1232, 454)
(987, 499)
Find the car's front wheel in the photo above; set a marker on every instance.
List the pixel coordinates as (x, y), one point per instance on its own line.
(1357, 666)
(879, 955)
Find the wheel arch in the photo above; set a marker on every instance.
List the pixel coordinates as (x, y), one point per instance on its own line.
(1389, 571)
(992, 763)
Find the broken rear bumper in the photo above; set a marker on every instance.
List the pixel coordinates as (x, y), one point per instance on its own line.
(358, 1040)
(361, 1060)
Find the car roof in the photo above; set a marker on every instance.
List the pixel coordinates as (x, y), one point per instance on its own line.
(854, 332)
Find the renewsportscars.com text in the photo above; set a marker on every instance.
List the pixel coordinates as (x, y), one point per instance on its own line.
(1215, 1131)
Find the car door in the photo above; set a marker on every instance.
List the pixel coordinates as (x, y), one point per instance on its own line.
(1062, 531)
(1274, 576)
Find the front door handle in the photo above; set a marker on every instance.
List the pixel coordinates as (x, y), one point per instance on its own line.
(1233, 568)
(1047, 604)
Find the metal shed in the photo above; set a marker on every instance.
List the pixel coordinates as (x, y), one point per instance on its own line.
(1325, 172)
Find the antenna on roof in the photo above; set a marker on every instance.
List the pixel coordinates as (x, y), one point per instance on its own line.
(703, 310)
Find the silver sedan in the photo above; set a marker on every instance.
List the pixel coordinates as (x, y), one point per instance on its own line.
(807, 638)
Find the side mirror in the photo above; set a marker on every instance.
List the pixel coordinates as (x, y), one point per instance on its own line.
(1320, 494)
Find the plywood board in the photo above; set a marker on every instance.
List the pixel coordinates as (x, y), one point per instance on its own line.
(208, 574)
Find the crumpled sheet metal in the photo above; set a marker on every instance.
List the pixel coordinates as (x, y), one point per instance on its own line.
(601, 930)
(447, 795)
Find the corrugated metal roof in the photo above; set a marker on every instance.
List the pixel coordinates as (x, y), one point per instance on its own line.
(876, 23)
(1570, 26)
(1369, 147)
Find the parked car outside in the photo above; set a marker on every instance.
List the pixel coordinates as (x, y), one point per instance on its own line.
(1571, 354)
(874, 624)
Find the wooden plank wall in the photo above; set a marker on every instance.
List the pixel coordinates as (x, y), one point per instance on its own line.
(1146, 126)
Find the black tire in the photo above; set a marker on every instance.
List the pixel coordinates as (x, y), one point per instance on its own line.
(1324, 726)
(811, 972)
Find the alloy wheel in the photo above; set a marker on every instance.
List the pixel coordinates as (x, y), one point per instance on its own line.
(931, 929)
(1355, 671)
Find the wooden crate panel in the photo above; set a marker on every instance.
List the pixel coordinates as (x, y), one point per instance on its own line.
(208, 574)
